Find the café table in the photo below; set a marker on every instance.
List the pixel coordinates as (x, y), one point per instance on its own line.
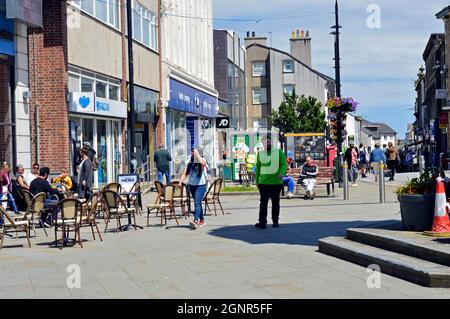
(129, 195)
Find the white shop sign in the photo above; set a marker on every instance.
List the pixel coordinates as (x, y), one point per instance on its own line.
(88, 103)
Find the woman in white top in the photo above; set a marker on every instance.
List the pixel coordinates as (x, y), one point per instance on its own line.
(197, 170)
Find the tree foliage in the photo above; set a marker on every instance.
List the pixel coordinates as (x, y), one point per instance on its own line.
(299, 114)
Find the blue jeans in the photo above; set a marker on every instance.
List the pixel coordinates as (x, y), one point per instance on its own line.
(50, 203)
(198, 191)
(11, 201)
(289, 181)
(160, 176)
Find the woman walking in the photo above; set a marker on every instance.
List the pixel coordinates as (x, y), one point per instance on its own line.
(5, 182)
(392, 161)
(197, 170)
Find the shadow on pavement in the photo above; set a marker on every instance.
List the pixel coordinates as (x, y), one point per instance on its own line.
(306, 234)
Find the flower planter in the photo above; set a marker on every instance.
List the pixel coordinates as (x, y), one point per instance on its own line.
(417, 212)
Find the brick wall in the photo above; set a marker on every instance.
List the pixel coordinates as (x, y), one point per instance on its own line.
(48, 84)
(5, 114)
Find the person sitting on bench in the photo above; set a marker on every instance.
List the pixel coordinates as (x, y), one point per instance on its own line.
(308, 177)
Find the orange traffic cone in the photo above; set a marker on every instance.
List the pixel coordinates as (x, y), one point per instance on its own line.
(441, 222)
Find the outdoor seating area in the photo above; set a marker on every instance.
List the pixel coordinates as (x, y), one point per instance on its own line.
(111, 209)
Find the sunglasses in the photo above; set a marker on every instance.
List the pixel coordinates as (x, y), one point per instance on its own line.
(35, 167)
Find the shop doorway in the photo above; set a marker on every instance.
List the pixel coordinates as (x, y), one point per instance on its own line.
(7, 129)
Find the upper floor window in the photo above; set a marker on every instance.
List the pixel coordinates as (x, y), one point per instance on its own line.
(288, 66)
(104, 10)
(82, 81)
(259, 95)
(258, 69)
(289, 89)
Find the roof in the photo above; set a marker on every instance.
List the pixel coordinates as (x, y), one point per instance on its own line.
(326, 77)
(443, 13)
(376, 129)
(430, 44)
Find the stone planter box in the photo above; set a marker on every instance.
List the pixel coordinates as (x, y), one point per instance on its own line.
(417, 212)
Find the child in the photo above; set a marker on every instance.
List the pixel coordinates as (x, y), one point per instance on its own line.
(63, 181)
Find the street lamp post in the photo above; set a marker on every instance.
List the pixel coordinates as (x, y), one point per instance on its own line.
(337, 68)
(130, 121)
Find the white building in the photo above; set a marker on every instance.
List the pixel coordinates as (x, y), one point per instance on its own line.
(377, 133)
(189, 98)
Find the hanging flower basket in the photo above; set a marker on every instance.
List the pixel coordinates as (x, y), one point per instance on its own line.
(344, 105)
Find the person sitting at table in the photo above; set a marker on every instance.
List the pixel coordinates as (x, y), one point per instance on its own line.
(41, 185)
(308, 177)
(63, 181)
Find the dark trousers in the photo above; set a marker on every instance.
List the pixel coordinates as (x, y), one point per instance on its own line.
(84, 192)
(392, 166)
(271, 192)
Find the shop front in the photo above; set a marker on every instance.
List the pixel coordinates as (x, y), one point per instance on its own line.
(190, 122)
(98, 121)
(7, 117)
(145, 112)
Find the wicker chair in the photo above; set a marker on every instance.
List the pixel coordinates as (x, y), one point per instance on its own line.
(16, 225)
(169, 192)
(212, 196)
(116, 208)
(90, 211)
(71, 210)
(159, 203)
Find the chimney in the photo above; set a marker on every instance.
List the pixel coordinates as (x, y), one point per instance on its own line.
(254, 39)
(301, 46)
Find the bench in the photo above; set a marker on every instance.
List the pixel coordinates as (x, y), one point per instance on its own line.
(324, 177)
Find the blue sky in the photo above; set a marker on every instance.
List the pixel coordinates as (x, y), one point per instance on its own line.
(379, 65)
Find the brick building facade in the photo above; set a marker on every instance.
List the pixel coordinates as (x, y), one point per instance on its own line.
(48, 84)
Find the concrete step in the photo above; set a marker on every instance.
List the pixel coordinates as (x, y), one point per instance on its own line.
(405, 267)
(407, 243)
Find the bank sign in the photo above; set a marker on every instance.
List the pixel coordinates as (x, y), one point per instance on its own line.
(187, 99)
(88, 103)
(7, 46)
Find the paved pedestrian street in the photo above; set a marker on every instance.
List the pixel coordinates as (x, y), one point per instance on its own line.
(228, 258)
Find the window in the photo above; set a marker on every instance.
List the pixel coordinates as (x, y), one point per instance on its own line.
(288, 89)
(258, 69)
(88, 6)
(101, 10)
(259, 95)
(103, 86)
(100, 89)
(74, 83)
(288, 66)
(87, 85)
(114, 13)
(113, 92)
(260, 124)
(146, 31)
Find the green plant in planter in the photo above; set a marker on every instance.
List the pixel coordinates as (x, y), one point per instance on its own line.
(425, 184)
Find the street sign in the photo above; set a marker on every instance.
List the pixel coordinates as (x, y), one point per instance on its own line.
(222, 122)
(441, 94)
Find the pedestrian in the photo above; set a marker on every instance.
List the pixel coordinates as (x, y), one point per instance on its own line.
(85, 176)
(271, 166)
(409, 157)
(197, 170)
(351, 156)
(363, 160)
(376, 156)
(392, 160)
(133, 163)
(41, 185)
(308, 177)
(34, 173)
(162, 159)
(6, 187)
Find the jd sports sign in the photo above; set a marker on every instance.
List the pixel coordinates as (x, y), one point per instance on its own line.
(222, 122)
